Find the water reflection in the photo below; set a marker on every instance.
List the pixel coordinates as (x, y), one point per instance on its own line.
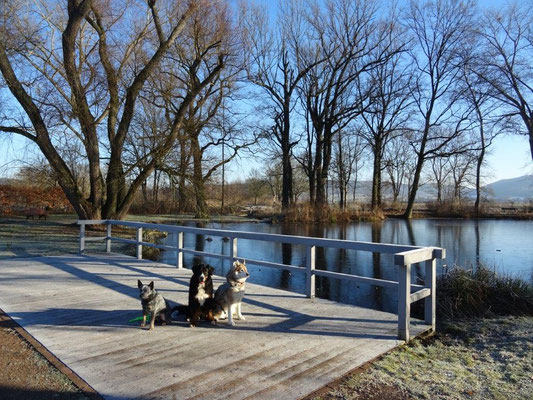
(504, 245)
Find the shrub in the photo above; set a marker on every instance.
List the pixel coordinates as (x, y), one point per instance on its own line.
(480, 292)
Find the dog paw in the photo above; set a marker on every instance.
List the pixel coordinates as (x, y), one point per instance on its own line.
(241, 317)
(231, 323)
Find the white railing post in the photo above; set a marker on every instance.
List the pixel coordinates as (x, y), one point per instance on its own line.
(139, 246)
(179, 253)
(310, 272)
(82, 238)
(430, 302)
(404, 302)
(108, 238)
(233, 250)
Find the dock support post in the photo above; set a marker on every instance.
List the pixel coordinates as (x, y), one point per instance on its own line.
(108, 238)
(232, 251)
(310, 272)
(179, 253)
(430, 302)
(139, 246)
(82, 238)
(404, 302)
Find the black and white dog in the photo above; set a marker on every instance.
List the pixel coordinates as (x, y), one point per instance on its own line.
(153, 303)
(200, 292)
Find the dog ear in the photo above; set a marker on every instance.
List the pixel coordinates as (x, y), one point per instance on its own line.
(139, 283)
(195, 269)
(211, 270)
(151, 285)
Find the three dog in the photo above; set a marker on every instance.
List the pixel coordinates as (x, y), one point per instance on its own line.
(226, 301)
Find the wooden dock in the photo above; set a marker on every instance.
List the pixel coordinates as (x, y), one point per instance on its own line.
(78, 307)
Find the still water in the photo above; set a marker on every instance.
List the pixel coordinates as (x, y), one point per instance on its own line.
(503, 245)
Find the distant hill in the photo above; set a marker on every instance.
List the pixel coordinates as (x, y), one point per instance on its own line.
(515, 189)
(518, 189)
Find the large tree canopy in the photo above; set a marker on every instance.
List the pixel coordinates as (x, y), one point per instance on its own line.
(78, 71)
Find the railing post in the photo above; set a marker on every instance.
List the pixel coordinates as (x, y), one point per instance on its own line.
(310, 272)
(82, 238)
(430, 302)
(404, 302)
(179, 254)
(233, 250)
(108, 238)
(139, 246)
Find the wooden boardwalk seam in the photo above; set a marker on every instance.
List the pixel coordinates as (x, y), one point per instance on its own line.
(78, 307)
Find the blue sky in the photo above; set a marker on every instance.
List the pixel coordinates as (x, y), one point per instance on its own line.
(509, 157)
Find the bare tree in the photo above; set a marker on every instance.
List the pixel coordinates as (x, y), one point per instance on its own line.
(386, 110)
(273, 176)
(485, 127)
(275, 65)
(440, 28)
(83, 66)
(461, 165)
(348, 153)
(440, 168)
(256, 185)
(350, 36)
(400, 165)
(507, 38)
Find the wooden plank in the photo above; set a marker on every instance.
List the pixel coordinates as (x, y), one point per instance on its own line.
(404, 304)
(421, 294)
(430, 303)
(413, 256)
(288, 346)
(357, 278)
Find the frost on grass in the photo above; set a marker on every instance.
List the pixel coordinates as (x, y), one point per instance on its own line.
(480, 359)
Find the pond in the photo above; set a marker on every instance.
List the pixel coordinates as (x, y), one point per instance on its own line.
(503, 245)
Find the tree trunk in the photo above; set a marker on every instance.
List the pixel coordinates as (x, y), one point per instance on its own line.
(286, 188)
(408, 214)
(201, 210)
(376, 177)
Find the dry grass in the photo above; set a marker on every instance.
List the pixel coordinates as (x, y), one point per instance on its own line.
(307, 213)
(480, 292)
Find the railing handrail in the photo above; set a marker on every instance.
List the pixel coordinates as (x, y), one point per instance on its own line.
(404, 256)
(276, 238)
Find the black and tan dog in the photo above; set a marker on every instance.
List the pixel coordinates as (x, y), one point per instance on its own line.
(153, 303)
(200, 292)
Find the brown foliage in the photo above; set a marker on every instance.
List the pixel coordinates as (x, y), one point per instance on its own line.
(15, 199)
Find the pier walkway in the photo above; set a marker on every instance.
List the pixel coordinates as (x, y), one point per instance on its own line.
(78, 307)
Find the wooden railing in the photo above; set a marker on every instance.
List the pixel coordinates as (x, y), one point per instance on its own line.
(404, 257)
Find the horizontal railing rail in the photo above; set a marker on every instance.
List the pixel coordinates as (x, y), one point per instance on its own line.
(404, 257)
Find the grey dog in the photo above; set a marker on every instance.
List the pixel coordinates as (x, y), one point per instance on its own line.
(228, 297)
(153, 303)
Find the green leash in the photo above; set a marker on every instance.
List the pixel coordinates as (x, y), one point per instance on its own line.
(137, 319)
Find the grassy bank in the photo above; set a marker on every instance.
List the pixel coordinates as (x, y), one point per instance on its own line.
(483, 348)
(489, 358)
